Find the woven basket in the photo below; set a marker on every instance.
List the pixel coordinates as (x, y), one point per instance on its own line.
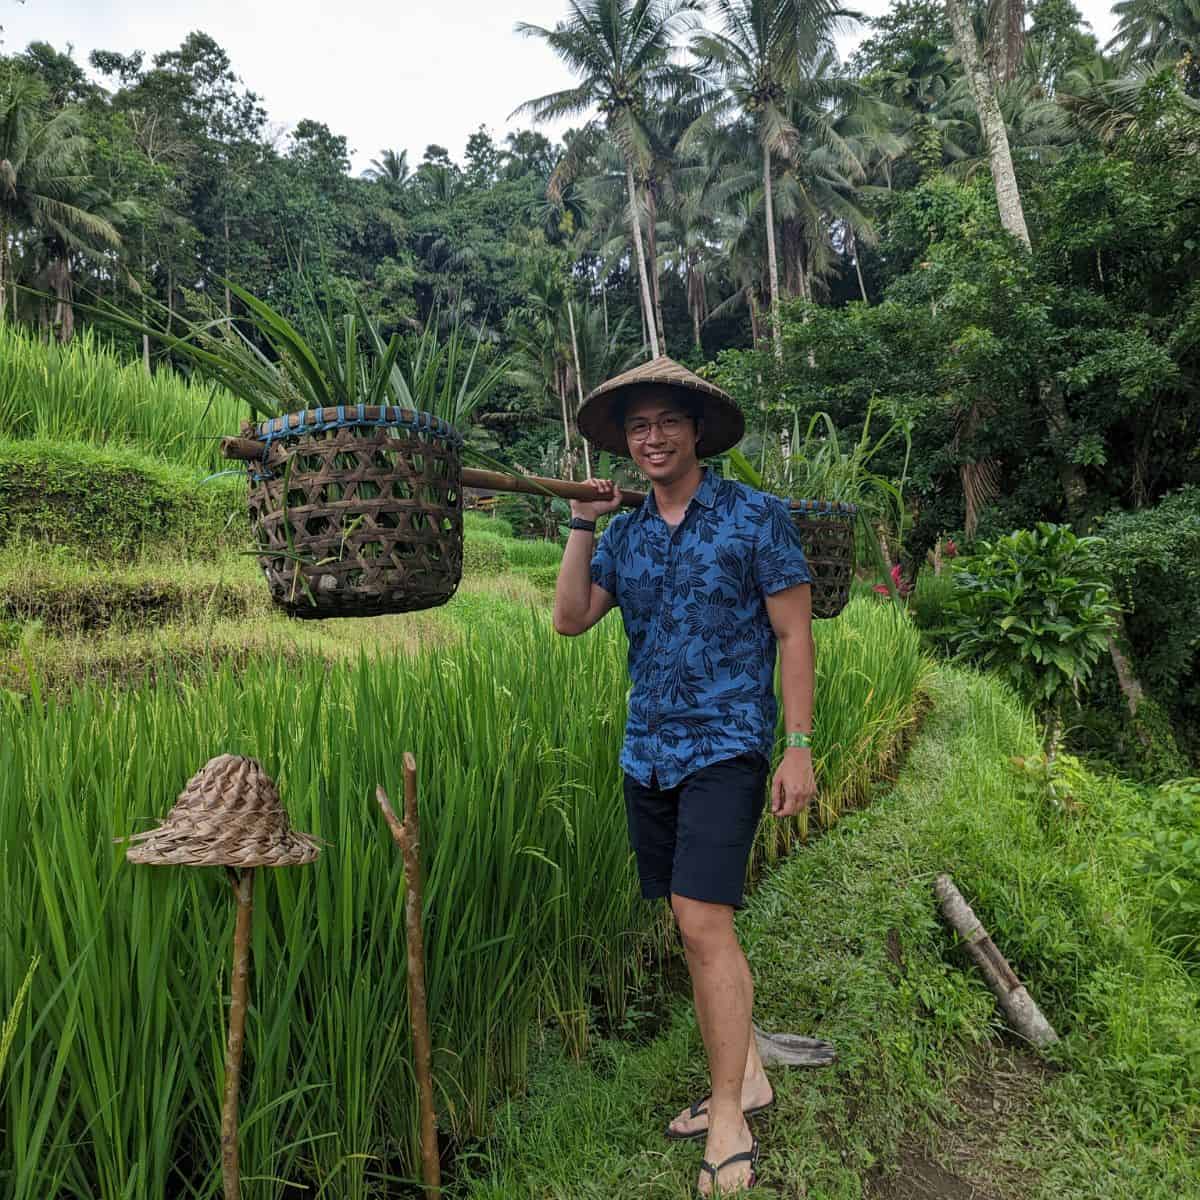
(357, 510)
(827, 532)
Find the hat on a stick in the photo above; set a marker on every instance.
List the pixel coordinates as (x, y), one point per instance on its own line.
(229, 815)
(601, 415)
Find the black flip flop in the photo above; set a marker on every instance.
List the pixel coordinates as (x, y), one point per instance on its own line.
(750, 1156)
(699, 1110)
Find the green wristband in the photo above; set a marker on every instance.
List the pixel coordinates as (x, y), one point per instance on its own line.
(801, 741)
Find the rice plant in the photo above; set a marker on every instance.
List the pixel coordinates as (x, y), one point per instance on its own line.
(85, 391)
(112, 1087)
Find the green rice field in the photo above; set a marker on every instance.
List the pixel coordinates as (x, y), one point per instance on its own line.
(112, 1082)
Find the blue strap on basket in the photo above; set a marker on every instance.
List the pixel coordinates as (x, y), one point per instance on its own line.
(825, 508)
(281, 427)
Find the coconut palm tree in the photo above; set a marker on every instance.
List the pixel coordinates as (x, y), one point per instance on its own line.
(1157, 29)
(44, 190)
(390, 168)
(757, 56)
(620, 50)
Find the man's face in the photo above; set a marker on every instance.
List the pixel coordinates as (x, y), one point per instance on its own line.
(661, 436)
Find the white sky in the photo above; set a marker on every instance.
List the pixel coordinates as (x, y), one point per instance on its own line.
(398, 75)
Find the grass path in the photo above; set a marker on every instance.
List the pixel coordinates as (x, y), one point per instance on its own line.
(929, 1098)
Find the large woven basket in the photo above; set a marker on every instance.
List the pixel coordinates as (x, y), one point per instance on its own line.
(827, 532)
(357, 510)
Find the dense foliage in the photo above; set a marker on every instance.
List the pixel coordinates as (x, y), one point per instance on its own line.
(830, 233)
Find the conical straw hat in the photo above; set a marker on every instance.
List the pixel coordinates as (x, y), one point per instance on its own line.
(228, 815)
(601, 415)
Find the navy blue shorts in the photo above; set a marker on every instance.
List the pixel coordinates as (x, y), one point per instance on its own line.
(694, 839)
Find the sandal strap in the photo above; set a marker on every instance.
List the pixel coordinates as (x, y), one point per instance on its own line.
(700, 1108)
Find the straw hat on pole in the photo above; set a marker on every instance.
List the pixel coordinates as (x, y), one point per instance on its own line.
(601, 417)
(230, 816)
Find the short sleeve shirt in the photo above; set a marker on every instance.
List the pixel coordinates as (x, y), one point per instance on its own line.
(701, 647)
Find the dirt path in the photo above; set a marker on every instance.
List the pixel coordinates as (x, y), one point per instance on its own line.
(969, 1158)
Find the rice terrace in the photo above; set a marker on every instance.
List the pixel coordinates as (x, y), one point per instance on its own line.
(351, 846)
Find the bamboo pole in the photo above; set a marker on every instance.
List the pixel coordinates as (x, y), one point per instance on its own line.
(243, 888)
(248, 450)
(407, 836)
(1018, 1005)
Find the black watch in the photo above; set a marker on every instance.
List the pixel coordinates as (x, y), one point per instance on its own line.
(581, 523)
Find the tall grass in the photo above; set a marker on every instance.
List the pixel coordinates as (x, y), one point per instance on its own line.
(531, 905)
(84, 391)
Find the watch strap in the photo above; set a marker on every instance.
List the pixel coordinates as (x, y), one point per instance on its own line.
(581, 523)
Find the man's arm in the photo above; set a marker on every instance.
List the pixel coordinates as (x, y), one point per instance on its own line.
(790, 614)
(578, 602)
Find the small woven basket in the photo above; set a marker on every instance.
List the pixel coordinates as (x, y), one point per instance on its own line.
(827, 532)
(357, 510)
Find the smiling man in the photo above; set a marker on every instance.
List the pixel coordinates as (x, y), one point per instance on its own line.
(712, 582)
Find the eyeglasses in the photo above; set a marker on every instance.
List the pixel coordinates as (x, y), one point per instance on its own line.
(671, 426)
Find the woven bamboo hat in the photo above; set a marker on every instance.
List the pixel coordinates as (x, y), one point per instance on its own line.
(601, 415)
(229, 815)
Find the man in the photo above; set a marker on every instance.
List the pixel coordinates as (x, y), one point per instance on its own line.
(710, 578)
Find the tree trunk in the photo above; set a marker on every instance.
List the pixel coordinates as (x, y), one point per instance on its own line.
(3, 271)
(862, 287)
(560, 382)
(1012, 215)
(1014, 38)
(772, 265)
(635, 222)
(64, 310)
(1131, 685)
(652, 256)
(696, 326)
(753, 316)
(587, 454)
(228, 297)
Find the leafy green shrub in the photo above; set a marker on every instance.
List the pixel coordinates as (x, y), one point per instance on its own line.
(1170, 850)
(485, 554)
(108, 503)
(1033, 606)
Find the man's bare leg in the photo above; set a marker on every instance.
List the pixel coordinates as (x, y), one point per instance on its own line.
(724, 997)
(756, 1087)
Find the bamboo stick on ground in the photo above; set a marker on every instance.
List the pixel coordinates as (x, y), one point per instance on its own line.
(243, 888)
(408, 837)
(1018, 1005)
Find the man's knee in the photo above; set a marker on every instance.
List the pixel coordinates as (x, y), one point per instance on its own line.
(706, 929)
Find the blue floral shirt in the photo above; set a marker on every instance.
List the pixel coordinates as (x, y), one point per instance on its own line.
(701, 647)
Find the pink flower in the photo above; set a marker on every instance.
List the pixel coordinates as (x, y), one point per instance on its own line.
(950, 550)
(902, 586)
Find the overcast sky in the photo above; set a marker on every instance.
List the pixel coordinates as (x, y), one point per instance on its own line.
(401, 74)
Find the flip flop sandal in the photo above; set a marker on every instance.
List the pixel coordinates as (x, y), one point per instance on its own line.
(750, 1156)
(699, 1109)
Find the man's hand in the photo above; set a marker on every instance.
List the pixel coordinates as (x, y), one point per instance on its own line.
(608, 500)
(794, 785)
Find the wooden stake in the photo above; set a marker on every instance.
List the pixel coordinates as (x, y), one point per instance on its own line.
(243, 887)
(408, 837)
(1018, 1005)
